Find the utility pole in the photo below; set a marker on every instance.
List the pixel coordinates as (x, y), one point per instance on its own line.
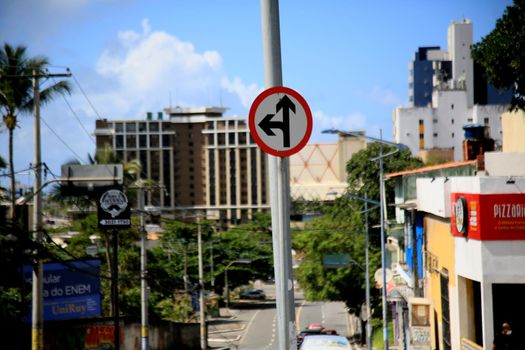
(212, 277)
(114, 292)
(38, 273)
(37, 322)
(368, 316)
(143, 274)
(383, 251)
(202, 305)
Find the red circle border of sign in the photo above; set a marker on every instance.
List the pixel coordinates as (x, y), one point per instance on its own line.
(251, 120)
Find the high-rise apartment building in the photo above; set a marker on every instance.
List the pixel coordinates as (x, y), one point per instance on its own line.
(446, 92)
(202, 161)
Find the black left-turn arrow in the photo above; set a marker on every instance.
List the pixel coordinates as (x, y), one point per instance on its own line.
(267, 124)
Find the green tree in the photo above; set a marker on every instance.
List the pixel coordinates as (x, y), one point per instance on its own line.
(363, 172)
(502, 53)
(16, 95)
(340, 230)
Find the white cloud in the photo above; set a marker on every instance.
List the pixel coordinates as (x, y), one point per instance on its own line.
(381, 95)
(321, 121)
(146, 65)
(247, 93)
(353, 121)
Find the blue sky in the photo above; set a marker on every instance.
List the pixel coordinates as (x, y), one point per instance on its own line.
(348, 59)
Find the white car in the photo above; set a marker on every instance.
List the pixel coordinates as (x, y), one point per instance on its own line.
(325, 342)
(254, 294)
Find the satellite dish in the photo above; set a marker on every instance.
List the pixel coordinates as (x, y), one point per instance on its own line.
(378, 276)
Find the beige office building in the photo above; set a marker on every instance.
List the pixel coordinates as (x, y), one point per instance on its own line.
(203, 161)
(208, 163)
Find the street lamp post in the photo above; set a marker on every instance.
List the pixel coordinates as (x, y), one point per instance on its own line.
(226, 287)
(367, 264)
(381, 208)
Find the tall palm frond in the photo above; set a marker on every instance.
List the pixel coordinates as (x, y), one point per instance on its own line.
(17, 93)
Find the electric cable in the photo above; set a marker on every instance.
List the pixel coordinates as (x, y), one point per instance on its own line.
(61, 140)
(77, 118)
(85, 95)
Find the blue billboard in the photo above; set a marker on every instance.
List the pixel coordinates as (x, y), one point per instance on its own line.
(71, 289)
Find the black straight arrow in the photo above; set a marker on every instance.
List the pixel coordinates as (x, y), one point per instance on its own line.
(267, 124)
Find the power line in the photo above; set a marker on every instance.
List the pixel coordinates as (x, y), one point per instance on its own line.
(78, 119)
(85, 96)
(61, 140)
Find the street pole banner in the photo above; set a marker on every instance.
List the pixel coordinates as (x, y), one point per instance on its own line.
(113, 210)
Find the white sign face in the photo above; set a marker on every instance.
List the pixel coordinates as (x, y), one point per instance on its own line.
(280, 121)
(114, 202)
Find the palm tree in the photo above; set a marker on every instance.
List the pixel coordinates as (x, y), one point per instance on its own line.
(16, 94)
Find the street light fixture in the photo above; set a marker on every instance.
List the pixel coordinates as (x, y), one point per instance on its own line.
(399, 147)
(227, 289)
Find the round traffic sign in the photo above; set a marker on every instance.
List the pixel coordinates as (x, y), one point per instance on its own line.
(280, 121)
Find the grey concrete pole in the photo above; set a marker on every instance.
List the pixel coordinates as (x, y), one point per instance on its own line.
(202, 305)
(383, 252)
(38, 273)
(227, 289)
(368, 318)
(279, 188)
(143, 275)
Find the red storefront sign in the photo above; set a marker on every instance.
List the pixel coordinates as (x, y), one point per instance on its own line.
(488, 216)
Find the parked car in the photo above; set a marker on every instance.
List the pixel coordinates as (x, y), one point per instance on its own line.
(253, 294)
(304, 333)
(314, 329)
(325, 342)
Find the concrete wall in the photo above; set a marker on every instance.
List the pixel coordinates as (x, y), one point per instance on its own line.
(91, 333)
(440, 243)
(505, 163)
(513, 127)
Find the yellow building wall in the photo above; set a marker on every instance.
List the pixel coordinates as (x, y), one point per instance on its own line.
(440, 248)
(513, 127)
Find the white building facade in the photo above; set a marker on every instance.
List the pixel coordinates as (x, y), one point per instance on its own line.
(439, 125)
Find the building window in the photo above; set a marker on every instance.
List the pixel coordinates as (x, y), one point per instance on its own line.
(131, 127)
(166, 141)
(452, 106)
(154, 126)
(242, 138)
(452, 135)
(210, 139)
(435, 134)
(143, 141)
(231, 138)
(131, 141)
(469, 120)
(119, 141)
(154, 140)
(142, 127)
(452, 121)
(486, 121)
(434, 121)
(119, 127)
